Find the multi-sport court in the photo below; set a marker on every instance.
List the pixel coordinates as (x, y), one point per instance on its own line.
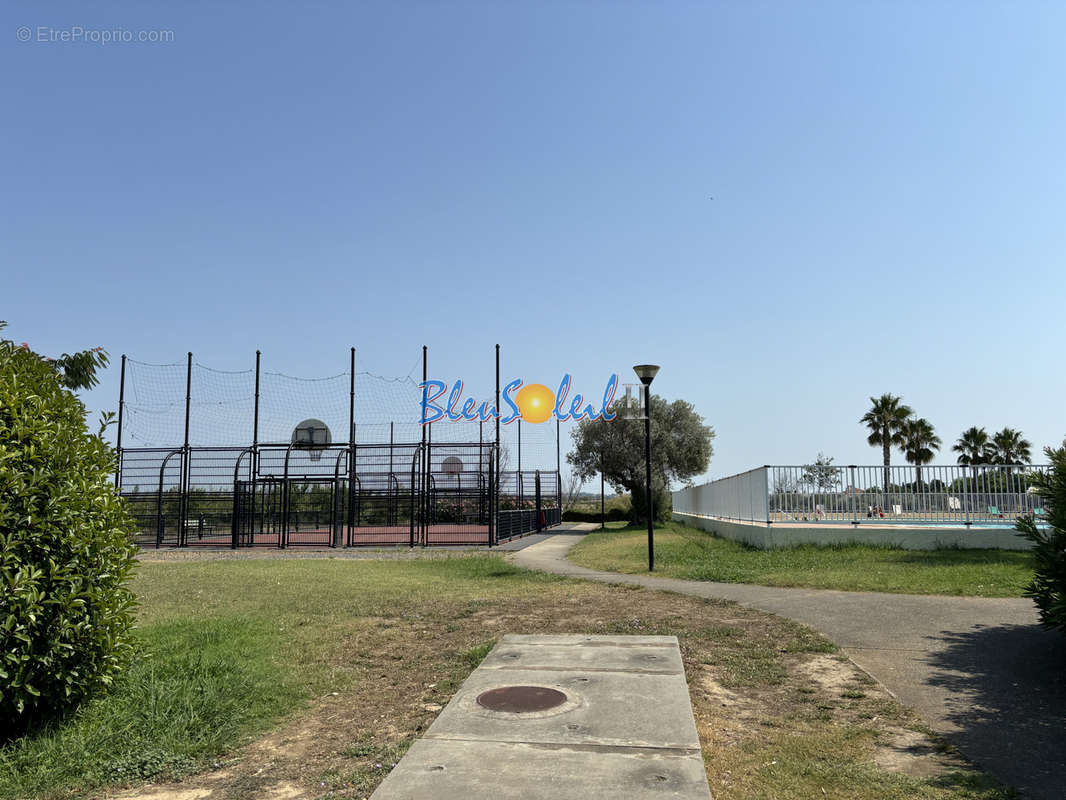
(192, 482)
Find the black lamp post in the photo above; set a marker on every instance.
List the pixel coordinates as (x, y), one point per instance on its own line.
(646, 373)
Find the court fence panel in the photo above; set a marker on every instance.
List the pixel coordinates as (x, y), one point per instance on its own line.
(285, 496)
(357, 471)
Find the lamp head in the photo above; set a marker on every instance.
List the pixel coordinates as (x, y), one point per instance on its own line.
(646, 373)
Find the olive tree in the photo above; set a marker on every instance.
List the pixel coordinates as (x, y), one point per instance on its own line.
(680, 449)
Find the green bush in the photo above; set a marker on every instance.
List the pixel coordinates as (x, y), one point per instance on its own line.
(662, 499)
(65, 548)
(1048, 588)
(614, 514)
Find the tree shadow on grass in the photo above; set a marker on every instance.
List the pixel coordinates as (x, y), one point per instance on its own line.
(1009, 703)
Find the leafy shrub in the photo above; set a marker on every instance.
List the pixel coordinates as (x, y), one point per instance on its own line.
(65, 548)
(1048, 588)
(615, 514)
(662, 499)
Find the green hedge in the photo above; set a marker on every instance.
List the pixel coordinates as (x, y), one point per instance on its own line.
(613, 515)
(65, 549)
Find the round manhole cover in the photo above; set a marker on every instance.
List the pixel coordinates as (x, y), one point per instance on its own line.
(519, 699)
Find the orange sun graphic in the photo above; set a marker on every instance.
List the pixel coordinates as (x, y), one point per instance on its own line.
(536, 402)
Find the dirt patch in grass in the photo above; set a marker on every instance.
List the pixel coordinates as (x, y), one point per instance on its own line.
(771, 698)
(913, 752)
(175, 794)
(833, 674)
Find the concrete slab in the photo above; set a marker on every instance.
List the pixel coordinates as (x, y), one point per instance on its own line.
(618, 709)
(585, 640)
(445, 770)
(592, 656)
(625, 729)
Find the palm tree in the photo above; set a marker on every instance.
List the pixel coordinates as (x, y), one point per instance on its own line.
(1011, 447)
(885, 419)
(920, 444)
(973, 447)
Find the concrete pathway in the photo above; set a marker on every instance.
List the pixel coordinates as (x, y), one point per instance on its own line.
(978, 670)
(562, 718)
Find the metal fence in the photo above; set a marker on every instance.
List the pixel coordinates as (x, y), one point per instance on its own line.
(343, 489)
(740, 497)
(988, 494)
(287, 495)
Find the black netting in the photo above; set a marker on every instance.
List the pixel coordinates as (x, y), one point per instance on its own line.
(222, 412)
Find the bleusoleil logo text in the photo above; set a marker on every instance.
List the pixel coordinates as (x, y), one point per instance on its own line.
(533, 402)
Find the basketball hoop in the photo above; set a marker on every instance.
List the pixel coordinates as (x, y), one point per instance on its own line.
(313, 436)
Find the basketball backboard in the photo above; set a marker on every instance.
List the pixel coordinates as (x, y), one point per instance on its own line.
(312, 435)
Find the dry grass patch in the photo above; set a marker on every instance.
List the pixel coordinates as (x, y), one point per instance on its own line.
(383, 646)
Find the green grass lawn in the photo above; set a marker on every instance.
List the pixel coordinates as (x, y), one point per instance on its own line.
(684, 552)
(199, 686)
(310, 678)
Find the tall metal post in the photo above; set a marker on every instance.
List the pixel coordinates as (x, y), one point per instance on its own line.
(184, 502)
(351, 449)
(255, 453)
(480, 472)
(351, 401)
(499, 477)
(188, 395)
(431, 486)
(647, 476)
(603, 506)
(558, 472)
(255, 418)
(121, 402)
(425, 456)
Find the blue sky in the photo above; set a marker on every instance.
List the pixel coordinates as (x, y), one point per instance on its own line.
(887, 215)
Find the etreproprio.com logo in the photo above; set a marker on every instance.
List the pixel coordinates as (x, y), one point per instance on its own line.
(80, 34)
